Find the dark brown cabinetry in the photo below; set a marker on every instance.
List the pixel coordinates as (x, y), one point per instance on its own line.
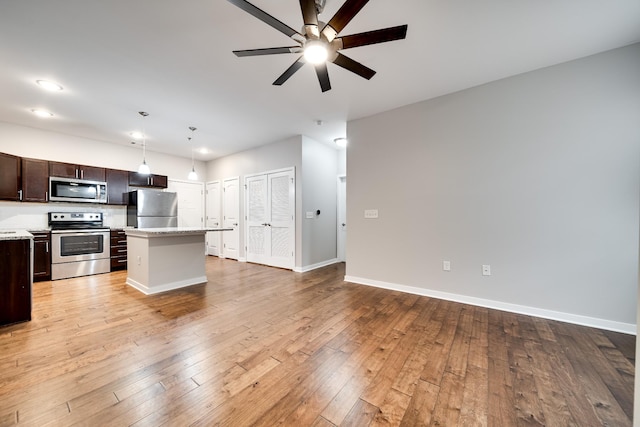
(68, 170)
(118, 250)
(41, 256)
(9, 177)
(117, 186)
(15, 281)
(35, 180)
(141, 180)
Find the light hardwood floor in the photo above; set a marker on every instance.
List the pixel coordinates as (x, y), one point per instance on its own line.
(264, 346)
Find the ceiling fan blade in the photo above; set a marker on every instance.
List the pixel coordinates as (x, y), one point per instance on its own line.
(323, 76)
(290, 71)
(310, 16)
(268, 51)
(342, 17)
(265, 17)
(353, 66)
(373, 37)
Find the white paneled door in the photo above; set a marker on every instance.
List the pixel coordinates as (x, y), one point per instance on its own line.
(190, 202)
(270, 215)
(231, 217)
(342, 218)
(213, 218)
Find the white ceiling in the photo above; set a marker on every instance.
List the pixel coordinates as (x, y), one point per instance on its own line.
(173, 59)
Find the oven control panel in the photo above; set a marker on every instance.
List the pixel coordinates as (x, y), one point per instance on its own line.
(75, 216)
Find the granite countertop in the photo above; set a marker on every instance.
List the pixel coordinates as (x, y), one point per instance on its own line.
(171, 230)
(15, 235)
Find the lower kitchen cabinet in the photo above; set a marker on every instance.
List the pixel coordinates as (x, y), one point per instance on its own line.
(41, 256)
(118, 250)
(15, 281)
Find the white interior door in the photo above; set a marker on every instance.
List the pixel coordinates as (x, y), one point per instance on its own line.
(342, 218)
(190, 202)
(256, 219)
(281, 219)
(213, 218)
(270, 206)
(231, 217)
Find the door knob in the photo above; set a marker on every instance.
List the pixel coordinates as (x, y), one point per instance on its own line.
(343, 224)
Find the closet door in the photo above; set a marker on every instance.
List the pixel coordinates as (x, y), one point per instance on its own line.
(257, 219)
(281, 229)
(213, 216)
(230, 218)
(270, 220)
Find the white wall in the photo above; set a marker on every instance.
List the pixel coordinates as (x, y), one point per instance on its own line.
(30, 142)
(279, 155)
(319, 192)
(536, 175)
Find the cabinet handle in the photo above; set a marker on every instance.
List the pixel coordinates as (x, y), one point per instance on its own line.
(122, 260)
(46, 246)
(81, 173)
(122, 250)
(20, 195)
(121, 242)
(151, 179)
(46, 196)
(77, 173)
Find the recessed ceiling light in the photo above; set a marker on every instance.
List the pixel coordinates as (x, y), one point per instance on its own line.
(203, 151)
(136, 134)
(48, 85)
(340, 142)
(41, 113)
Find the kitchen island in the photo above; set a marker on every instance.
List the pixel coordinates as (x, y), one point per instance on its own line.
(162, 259)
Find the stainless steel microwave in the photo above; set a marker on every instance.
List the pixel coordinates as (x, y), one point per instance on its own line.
(77, 190)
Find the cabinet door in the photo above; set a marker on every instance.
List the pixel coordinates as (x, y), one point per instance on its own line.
(9, 177)
(138, 179)
(35, 180)
(91, 173)
(117, 186)
(41, 256)
(15, 281)
(159, 181)
(63, 170)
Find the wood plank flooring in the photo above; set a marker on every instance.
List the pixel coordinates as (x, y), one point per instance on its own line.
(263, 346)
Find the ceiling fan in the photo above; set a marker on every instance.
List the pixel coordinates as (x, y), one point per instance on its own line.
(319, 42)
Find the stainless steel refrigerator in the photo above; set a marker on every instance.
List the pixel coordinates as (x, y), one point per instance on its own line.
(152, 209)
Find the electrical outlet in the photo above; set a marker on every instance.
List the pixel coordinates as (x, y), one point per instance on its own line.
(446, 265)
(371, 213)
(486, 270)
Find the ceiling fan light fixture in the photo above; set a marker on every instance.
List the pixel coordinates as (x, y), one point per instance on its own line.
(316, 52)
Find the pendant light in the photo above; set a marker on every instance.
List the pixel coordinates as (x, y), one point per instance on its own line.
(193, 176)
(144, 167)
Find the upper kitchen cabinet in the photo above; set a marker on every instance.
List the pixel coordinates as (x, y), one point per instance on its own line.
(117, 186)
(35, 180)
(9, 177)
(141, 180)
(68, 170)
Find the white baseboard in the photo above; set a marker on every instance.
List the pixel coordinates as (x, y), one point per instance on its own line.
(169, 286)
(306, 268)
(627, 328)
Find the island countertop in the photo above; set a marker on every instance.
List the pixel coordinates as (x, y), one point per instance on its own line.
(167, 231)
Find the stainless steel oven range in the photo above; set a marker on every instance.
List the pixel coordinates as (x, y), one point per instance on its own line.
(79, 244)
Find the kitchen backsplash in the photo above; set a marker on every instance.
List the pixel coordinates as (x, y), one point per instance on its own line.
(33, 216)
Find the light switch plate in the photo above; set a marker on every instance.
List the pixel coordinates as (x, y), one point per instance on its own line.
(371, 213)
(310, 215)
(446, 265)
